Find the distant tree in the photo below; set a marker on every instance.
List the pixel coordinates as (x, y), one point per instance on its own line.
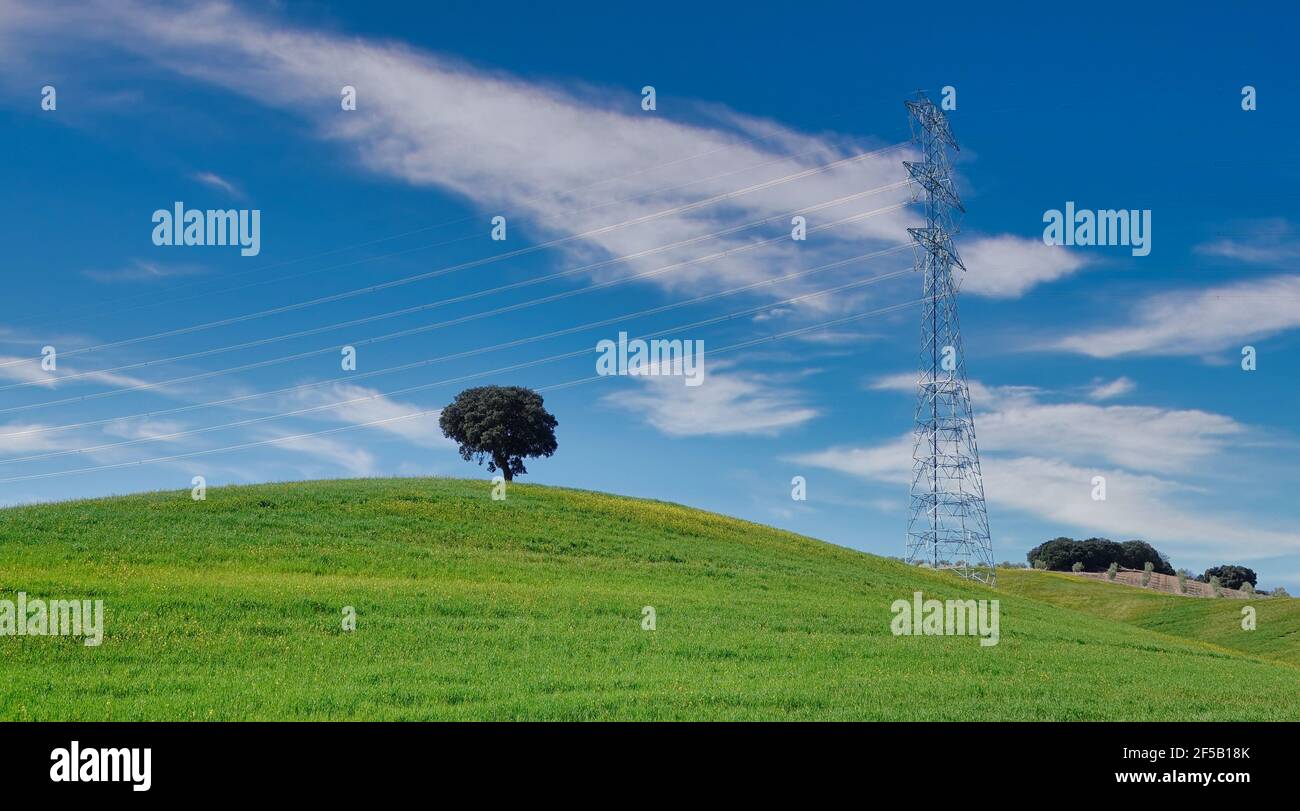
(502, 424)
(1059, 554)
(1112, 571)
(1279, 592)
(1247, 588)
(1217, 585)
(1077, 567)
(1053, 554)
(1231, 576)
(1182, 580)
(1146, 573)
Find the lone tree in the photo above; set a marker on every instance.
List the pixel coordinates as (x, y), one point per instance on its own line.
(503, 424)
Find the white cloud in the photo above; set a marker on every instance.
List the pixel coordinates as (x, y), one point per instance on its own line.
(563, 160)
(523, 148)
(141, 271)
(834, 337)
(372, 407)
(980, 394)
(216, 181)
(1007, 266)
(355, 460)
(1109, 390)
(1268, 241)
(153, 429)
(28, 370)
(1039, 458)
(1137, 437)
(899, 381)
(32, 437)
(1198, 322)
(1022, 419)
(725, 403)
(1136, 505)
(890, 462)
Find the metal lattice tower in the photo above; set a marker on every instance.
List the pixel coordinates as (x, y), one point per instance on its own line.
(949, 524)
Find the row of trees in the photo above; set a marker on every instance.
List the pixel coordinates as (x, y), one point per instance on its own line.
(1105, 555)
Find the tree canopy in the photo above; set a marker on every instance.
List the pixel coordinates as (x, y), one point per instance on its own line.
(1232, 577)
(500, 424)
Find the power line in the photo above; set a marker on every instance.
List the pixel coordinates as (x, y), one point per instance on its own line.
(429, 413)
(101, 313)
(500, 288)
(477, 351)
(427, 327)
(472, 263)
(424, 386)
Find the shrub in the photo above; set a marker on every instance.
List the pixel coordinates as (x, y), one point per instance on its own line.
(1216, 584)
(1146, 573)
(1248, 588)
(1279, 592)
(1077, 567)
(1112, 571)
(1182, 580)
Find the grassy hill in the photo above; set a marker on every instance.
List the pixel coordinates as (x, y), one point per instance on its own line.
(1276, 635)
(531, 608)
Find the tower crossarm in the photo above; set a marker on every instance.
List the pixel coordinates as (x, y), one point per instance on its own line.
(936, 242)
(926, 115)
(935, 181)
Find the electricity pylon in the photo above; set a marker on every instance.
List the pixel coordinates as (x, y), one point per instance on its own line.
(949, 525)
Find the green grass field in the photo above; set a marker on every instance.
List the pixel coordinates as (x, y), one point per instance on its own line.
(1276, 635)
(531, 608)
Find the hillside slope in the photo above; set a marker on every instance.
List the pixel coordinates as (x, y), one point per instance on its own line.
(531, 608)
(1217, 621)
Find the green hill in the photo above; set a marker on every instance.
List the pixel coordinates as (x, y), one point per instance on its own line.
(531, 608)
(1277, 622)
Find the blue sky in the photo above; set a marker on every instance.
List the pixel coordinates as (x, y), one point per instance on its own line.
(1084, 361)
